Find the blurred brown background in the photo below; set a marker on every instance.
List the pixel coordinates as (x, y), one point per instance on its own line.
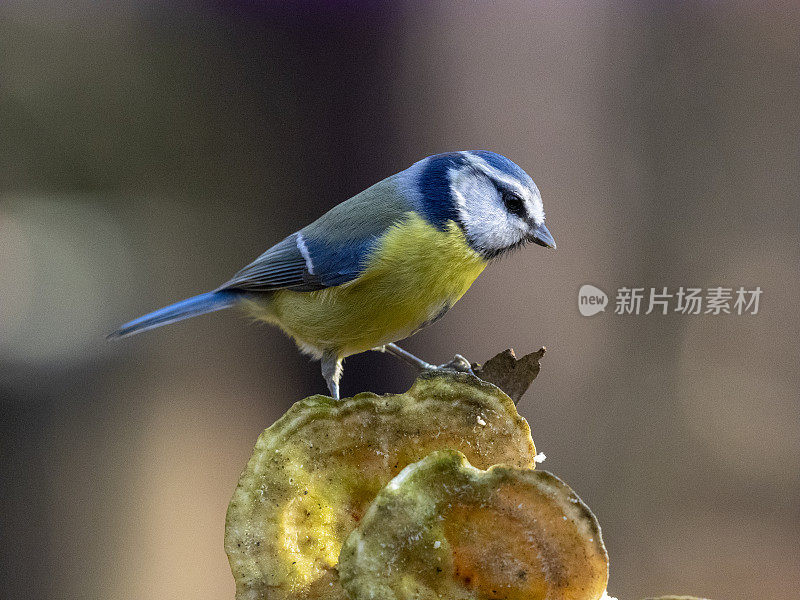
(147, 152)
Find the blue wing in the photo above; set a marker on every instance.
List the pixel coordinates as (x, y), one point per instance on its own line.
(300, 264)
(332, 250)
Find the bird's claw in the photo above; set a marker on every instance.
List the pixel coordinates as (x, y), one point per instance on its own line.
(459, 364)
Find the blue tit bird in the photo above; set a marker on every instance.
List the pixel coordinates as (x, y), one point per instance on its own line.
(382, 265)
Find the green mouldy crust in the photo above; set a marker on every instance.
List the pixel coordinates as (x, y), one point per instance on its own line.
(314, 472)
(444, 529)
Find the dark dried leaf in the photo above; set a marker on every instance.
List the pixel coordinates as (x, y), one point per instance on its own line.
(513, 376)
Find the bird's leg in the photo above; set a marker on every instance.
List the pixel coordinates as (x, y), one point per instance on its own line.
(459, 363)
(332, 372)
(406, 356)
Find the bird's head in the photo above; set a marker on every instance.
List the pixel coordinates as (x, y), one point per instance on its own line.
(494, 201)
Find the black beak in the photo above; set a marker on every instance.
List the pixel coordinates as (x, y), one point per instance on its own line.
(542, 236)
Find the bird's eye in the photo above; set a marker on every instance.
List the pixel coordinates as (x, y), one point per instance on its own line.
(514, 204)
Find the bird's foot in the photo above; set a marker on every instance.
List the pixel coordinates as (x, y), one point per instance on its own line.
(459, 363)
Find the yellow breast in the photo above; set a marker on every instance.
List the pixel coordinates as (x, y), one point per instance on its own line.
(416, 273)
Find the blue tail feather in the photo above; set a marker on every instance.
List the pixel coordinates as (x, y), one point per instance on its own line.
(185, 309)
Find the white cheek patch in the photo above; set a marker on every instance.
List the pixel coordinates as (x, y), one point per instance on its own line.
(535, 209)
(483, 214)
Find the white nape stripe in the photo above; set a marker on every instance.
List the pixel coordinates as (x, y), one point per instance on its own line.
(453, 175)
(493, 173)
(301, 246)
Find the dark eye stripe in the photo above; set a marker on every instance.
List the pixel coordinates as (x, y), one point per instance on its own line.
(514, 204)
